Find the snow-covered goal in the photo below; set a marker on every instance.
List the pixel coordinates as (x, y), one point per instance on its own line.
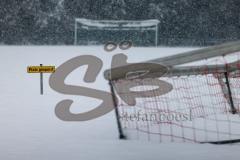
(115, 25)
(202, 106)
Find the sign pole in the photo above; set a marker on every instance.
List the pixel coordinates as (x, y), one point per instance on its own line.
(41, 81)
(41, 69)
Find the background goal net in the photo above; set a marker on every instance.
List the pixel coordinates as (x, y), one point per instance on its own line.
(140, 32)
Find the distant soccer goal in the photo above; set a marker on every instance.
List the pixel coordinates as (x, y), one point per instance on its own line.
(112, 29)
(202, 106)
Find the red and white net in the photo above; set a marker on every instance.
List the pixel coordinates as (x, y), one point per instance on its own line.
(197, 109)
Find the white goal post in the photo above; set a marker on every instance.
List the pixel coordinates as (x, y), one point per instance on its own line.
(121, 25)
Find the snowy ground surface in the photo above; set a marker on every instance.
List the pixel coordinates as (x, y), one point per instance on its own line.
(31, 131)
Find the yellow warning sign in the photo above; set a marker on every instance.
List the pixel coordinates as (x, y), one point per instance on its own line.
(41, 69)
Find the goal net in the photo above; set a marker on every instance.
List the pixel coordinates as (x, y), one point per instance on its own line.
(101, 31)
(202, 106)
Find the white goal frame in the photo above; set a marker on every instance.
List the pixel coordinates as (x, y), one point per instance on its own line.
(220, 80)
(121, 25)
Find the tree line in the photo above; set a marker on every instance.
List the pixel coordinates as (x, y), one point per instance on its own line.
(182, 22)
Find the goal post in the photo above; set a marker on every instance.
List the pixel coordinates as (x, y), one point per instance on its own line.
(202, 106)
(116, 25)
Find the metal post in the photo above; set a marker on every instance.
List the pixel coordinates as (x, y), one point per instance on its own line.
(87, 36)
(120, 131)
(41, 82)
(156, 36)
(233, 109)
(75, 33)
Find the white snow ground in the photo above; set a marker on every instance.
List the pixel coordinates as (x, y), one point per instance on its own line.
(31, 131)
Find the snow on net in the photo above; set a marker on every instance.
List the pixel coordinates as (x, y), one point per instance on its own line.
(197, 109)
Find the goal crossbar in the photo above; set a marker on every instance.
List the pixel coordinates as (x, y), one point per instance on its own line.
(117, 24)
(187, 57)
(199, 70)
(200, 54)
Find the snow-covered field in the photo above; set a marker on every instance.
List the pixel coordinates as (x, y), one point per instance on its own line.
(30, 129)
